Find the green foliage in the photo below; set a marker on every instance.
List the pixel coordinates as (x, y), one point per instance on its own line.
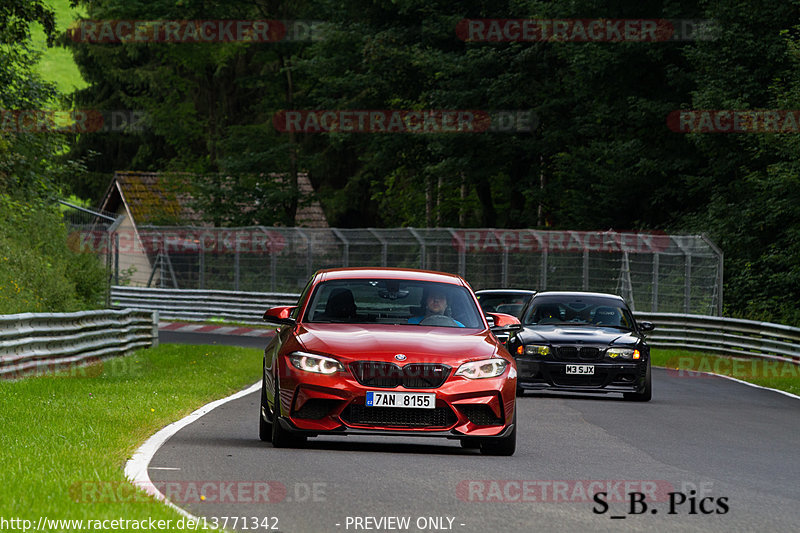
(751, 181)
(38, 272)
(599, 157)
(16, 17)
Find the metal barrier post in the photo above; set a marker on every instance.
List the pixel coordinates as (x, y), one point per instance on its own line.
(201, 268)
(116, 258)
(544, 270)
(155, 329)
(236, 266)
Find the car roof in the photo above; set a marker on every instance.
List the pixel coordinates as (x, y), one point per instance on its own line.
(505, 291)
(580, 293)
(389, 273)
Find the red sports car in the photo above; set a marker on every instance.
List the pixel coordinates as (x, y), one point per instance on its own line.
(388, 352)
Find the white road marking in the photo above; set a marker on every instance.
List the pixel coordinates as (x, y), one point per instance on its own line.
(136, 467)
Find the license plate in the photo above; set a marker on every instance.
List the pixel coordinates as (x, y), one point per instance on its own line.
(580, 369)
(422, 400)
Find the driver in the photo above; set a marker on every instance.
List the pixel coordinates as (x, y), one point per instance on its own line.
(434, 303)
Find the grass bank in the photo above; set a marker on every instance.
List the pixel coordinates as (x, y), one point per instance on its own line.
(764, 372)
(60, 433)
(57, 64)
(39, 272)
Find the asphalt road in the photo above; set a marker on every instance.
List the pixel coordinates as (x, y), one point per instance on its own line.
(736, 447)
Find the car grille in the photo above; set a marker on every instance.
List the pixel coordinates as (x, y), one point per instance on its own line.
(392, 416)
(579, 353)
(389, 375)
(481, 415)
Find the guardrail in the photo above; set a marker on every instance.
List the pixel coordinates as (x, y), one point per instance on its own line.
(176, 304)
(726, 336)
(33, 342)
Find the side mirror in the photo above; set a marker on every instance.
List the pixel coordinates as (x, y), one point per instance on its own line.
(646, 326)
(280, 315)
(503, 325)
(503, 320)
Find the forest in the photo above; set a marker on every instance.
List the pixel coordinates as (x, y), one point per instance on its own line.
(676, 116)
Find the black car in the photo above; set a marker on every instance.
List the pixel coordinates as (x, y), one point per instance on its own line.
(508, 301)
(582, 342)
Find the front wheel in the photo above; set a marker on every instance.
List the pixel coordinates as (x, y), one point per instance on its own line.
(504, 445)
(647, 391)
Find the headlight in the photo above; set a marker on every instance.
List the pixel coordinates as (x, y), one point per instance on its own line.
(623, 353)
(533, 349)
(488, 368)
(315, 363)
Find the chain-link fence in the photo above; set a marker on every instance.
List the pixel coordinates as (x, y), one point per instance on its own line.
(653, 271)
(101, 226)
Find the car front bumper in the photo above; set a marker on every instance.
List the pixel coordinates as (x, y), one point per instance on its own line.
(320, 404)
(607, 377)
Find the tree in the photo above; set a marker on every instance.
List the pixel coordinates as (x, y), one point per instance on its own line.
(206, 104)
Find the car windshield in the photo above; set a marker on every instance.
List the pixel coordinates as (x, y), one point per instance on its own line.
(393, 301)
(579, 310)
(509, 303)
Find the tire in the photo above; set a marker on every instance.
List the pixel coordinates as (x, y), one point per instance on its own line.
(470, 443)
(282, 438)
(504, 446)
(264, 427)
(647, 392)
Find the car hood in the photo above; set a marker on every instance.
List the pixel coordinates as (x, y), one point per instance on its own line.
(565, 334)
(383, 342)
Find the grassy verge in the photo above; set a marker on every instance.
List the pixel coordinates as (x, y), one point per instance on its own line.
(62, 432)
(57, 64)
(773, 374)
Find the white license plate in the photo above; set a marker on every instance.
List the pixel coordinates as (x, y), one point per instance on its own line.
(422, 400)
(580, 369)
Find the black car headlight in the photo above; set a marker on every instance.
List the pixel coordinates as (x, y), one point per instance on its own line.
(318, 364)
(533, 349)
(628, 354)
